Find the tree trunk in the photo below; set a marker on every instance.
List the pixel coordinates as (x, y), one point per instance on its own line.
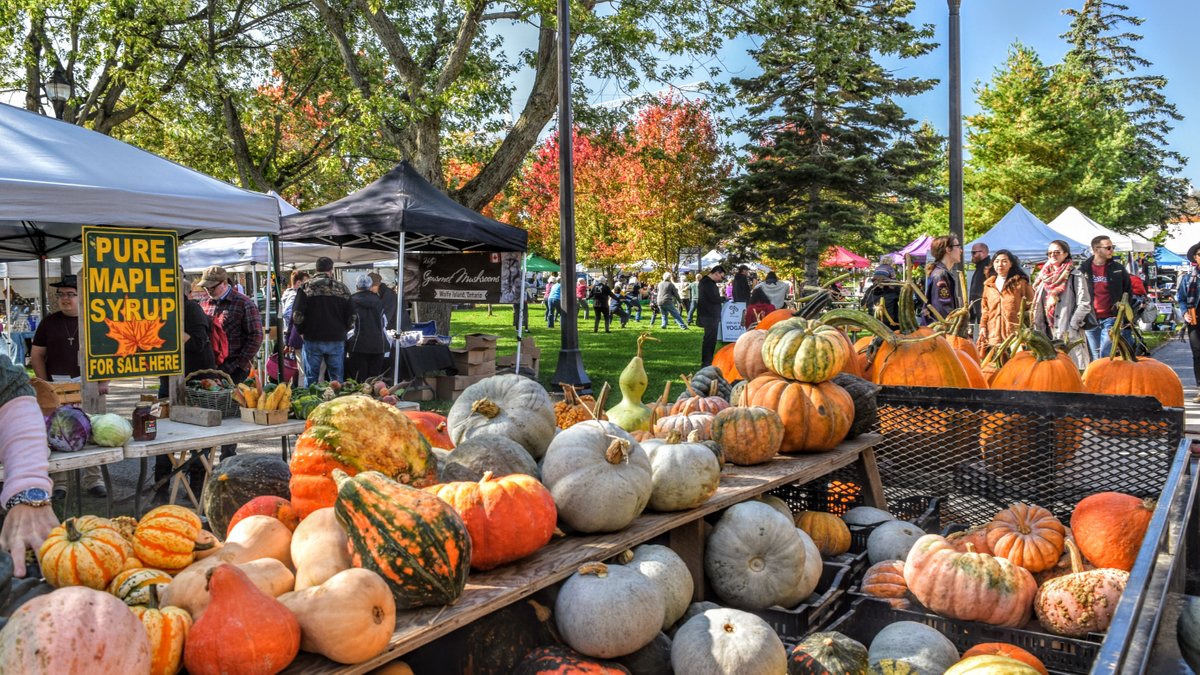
(435, 311)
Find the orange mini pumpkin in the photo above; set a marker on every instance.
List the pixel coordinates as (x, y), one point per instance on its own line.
(508, 517)
(815, 417)
(1028, 535)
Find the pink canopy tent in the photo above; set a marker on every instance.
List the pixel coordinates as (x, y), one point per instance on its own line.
(918, 249)
(836, 256)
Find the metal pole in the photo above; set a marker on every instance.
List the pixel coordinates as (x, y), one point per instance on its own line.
(570, 361)
(399, 309)
(280, 343)
(521, 312)
(42, 288)
(956, 141)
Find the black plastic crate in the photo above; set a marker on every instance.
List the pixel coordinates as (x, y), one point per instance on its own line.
(1069, 656)
(820, 607)
(982, 450)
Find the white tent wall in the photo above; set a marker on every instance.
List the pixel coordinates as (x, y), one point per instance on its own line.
(1180, 236)
(1076, 225)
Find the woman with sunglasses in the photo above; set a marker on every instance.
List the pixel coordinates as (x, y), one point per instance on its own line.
(941, 287)
(1061, 301)
(1005, 296)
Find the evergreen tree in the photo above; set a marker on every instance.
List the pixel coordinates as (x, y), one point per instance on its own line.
(833, 149)
(1104, 59)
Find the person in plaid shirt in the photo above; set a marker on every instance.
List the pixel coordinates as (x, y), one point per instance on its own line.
(238, 316)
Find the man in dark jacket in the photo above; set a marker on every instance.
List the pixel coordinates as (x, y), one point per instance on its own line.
(741, 284)
(708, 311)
(389, 299)
(323, 315)
(1108, 282)
(882, 289)
(983, 266)
(366, 347)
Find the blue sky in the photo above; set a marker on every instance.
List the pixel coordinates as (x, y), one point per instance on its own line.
(990, 27)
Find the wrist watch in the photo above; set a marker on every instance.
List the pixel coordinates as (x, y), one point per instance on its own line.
(35, 497)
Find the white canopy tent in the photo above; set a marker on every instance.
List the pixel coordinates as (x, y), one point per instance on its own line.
(246, 254)
(1180, 236)
(1074, 224)
(56, 177)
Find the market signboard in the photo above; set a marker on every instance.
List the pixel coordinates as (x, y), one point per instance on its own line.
(133, 320)
(467, 277)
(731, 327)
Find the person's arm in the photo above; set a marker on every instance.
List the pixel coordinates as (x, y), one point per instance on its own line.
(1083, 303)
(23, 452)
(299, 307)
(253, 336)
(37, 357)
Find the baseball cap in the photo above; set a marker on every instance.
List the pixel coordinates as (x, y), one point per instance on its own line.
(68, 281)
(885, 270)
(213, 276)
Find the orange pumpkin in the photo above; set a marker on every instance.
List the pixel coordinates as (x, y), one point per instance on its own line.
(166, 538)
(267, 505)
(969, 586)
(661, 407)
(1109, 527)
(964, 345)
(685, 426)
(1011, 651)
(432, 426)
(775, 317)
(861, 352)
(917, 357)
(815, 417)
(1131, 376)
(854, 364)
(973, 539)
(747, 354)
(828, 532)
(885, 581)
(1043, 368)
(748, 436)
(723, 361)
(508, 517)
(84, 551)
(1028, 535)
(970, 366)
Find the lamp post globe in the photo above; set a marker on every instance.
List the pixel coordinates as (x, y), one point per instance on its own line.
(58, 90)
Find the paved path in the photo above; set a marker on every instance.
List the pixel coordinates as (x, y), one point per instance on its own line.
(1178, 355)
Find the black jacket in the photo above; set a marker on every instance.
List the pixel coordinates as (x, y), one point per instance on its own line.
(708, 306)
(1119, 284)
(389, 304)
(975, 290)
(890, 295)
(322, 312)
(368, 335)
(741, 288)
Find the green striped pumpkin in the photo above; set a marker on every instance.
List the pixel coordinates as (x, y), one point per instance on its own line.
(133, 585)
(415, 541)
(804, 351)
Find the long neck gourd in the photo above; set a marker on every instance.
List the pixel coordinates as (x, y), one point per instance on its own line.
(631, 414)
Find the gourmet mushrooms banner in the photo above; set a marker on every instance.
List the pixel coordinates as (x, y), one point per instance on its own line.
(133, 317)
(466, 277)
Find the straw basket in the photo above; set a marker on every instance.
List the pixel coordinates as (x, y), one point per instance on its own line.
(214, 400)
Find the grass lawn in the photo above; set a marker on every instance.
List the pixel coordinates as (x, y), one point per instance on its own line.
(605, 355)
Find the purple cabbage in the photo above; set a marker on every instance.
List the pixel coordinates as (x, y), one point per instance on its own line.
(68, 429)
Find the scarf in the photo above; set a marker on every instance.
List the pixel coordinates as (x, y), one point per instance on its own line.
(1051, 283)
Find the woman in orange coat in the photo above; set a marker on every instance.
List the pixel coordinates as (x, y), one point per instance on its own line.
(1005, 297)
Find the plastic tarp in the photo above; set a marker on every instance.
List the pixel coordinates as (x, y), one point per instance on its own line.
(918, 249)
(836, 256)
(1074, 224)
(402, 201)
(55, 177)
(1027, 237)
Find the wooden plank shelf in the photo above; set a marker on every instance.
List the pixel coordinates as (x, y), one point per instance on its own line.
(488, 591)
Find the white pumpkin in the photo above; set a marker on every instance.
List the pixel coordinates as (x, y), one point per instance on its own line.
(813, 567)
(668, 571)
(684, 474)
(923, 649)
(754, 558)
(866, 515)
(599, 477)
(608, 610)
(892, 541)
(727, 642)
(778, 504)
(508, 405)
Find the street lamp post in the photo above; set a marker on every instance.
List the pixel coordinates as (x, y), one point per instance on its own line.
(569, 369)
(956, 146)
(58, 91)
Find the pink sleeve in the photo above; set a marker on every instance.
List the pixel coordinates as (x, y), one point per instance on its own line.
(24, 450)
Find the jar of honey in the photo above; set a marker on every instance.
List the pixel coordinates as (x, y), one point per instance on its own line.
(145, 424)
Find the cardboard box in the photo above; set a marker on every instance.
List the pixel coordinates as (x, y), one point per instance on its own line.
(270, 416)
(449, 387)
(421, 390)
(482, 341)
(528, 343)
(471, 357)
(480, 370)
(247, 414)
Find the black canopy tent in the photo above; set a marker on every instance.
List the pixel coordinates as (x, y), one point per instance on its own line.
(402, 212)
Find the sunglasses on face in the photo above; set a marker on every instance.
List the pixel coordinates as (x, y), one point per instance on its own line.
(1104, 248)
(1053, 253)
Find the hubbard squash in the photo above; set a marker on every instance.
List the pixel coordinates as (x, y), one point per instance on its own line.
(866, 408)
(755, 558)
(969, 586)
(267, 505)
(608, 610)
(724, 641)
(237, 480)
(509, 405)
(319, 549)
(1109, 527)
(483, 453)
(354, 434)
(85, 551)
(244, 630)
(74, 630)
(508, 517)
(828, 654)
(166, 628)
(599, 476)
(1081, 602)
(348, 619)
(414, 540)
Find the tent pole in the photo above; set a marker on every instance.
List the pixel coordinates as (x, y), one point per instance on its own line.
(42, 288)
(277, 320)
(399, 310)
(521, 312)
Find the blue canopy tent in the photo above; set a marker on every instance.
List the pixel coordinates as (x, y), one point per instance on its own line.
(1165, 258)
(1022, 233)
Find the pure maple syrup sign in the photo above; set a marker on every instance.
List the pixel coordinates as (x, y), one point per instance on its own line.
(131, 299)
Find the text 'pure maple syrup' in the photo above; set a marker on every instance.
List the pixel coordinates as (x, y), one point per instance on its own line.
(145, 424)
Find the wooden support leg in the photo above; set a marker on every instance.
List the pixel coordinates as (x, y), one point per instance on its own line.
(688, 541)
(868, 473)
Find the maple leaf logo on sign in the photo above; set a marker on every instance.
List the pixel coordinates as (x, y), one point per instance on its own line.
(134, 335)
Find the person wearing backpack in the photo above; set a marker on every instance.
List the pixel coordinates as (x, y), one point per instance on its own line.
(324, 316)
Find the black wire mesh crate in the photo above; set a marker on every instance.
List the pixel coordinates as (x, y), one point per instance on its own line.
(982, 450)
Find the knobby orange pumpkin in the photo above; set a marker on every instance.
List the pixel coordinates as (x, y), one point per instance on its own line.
(815, 417)
(1109, 527)
(85, 551)
(508, 517)
(1028, 535)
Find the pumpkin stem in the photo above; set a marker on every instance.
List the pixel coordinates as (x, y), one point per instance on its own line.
(617, 451)
(970, 547)
(729, 628)
(486, 408)
(687, 382)
(1076, 557)
(673, 437)
(712, 388)
(642, 339)
(598, 569)
(854, 317)
(487, 475)
(73, 533)
(202, 545)
(1038, 343)
(570, 395)
(666, 395)
(694, 436)
(598, 407)
(624, 557)
(153, 604)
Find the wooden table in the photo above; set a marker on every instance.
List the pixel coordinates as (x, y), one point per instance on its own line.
(489, 591)
(179, 441)
(90, 455)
